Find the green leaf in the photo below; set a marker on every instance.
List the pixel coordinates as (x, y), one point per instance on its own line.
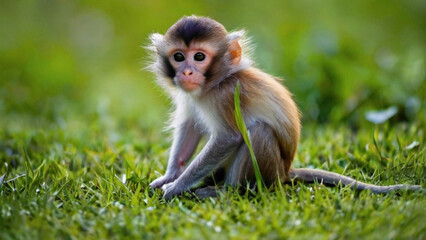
(246, 136)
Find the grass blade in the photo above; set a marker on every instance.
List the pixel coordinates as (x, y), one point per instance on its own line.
(246, 135)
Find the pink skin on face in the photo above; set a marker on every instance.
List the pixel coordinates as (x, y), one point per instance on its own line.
(191, 63)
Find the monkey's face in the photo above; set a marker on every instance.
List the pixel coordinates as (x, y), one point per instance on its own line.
(196, 53)
(190, 64)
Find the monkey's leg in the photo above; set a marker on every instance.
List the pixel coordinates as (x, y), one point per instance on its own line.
(210, 191)
(267, 152)
(211, 184)
(214, 155)
(185, 140)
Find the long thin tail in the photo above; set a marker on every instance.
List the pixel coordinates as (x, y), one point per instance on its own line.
(330, 178)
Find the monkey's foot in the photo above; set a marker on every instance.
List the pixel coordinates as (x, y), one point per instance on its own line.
(210, 191)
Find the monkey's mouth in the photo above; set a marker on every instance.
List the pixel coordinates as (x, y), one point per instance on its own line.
(189, 86)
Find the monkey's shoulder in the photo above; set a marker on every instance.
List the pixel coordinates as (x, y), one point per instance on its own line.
(258, 84)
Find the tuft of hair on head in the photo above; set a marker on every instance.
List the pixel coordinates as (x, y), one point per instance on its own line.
(156, 40)
(152, 51)
(236, 35)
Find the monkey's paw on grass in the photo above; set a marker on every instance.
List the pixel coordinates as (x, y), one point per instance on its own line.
(172, 189)
(161, 181)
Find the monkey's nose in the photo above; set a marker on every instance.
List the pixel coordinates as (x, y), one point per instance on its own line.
(187, 72)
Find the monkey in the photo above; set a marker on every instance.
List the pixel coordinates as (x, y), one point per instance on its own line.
(199, 63)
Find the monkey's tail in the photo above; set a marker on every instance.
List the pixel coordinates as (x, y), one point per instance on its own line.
(329, 178)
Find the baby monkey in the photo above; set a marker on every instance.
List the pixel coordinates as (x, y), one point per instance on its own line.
(199, 64)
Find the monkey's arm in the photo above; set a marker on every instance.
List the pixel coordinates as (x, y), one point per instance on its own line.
(213, 156)
(185, 140)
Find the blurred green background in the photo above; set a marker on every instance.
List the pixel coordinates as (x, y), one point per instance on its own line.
(70, 62)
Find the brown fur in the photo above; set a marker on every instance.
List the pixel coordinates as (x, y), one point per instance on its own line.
(254, 85)
(267, 151)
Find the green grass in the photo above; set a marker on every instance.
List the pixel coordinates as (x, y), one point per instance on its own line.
(84, 179)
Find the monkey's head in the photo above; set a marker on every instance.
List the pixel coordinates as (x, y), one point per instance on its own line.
(196, 53)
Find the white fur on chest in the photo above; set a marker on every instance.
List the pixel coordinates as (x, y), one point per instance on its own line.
(207, 116)
(203, 111)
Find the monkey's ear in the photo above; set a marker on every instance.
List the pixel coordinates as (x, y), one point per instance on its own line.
(234, 46)
(156, 39)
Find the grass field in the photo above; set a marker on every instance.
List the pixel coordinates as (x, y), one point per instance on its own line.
(87, 180)
(81, 125)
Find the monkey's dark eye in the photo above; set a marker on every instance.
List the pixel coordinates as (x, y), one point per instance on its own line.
(199, 56)
(179, 57)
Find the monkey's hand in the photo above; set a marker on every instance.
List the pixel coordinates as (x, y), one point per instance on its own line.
(172, 189)
(159, 182)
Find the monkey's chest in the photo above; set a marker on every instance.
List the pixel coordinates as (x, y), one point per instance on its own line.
(209, 118)
(215, 120)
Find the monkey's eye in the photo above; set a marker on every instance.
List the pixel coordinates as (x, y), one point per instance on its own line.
(199, 56)
(179, 57)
